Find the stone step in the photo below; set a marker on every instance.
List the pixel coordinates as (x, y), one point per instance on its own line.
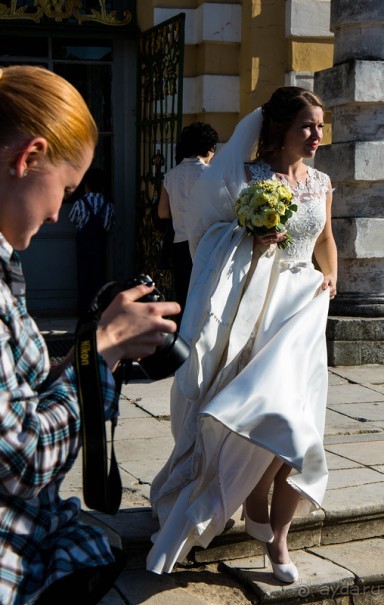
(329, 574)
(316, 529)
(135, 527)
(346, 573)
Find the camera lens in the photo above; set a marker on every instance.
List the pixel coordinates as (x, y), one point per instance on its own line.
(167, 358)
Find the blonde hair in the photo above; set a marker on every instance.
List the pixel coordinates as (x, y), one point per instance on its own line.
(36, 102)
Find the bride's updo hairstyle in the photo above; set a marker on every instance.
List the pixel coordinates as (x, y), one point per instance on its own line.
(279, 113)
(35, 102)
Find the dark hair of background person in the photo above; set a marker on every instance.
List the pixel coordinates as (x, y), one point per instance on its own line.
(94, 179)
(197, 139)
(278, 115)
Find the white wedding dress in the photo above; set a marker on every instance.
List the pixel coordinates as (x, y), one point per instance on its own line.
(255, 385)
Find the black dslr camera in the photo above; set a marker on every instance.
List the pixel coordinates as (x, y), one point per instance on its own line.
(169, 356)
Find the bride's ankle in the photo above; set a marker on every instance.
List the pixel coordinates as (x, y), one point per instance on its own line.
(279, 551)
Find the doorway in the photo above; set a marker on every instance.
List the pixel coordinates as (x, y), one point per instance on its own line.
(104, 71)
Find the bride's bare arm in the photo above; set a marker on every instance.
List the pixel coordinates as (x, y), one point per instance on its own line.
(326, 252)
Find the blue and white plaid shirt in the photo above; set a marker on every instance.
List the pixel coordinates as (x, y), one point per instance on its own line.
(41, 538)
(79, 213)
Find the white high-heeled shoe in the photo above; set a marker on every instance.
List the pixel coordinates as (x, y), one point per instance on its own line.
(285, 572)
(260, 531)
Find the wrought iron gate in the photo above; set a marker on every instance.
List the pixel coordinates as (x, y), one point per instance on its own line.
(160, 97)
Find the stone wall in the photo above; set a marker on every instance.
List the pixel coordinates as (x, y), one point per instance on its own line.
(353, 89)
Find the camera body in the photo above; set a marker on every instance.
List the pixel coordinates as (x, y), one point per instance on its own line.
(167, 357)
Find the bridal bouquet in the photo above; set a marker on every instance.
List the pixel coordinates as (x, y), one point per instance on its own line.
(265, 207)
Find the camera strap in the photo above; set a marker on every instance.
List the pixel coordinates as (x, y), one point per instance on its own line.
(102, 487)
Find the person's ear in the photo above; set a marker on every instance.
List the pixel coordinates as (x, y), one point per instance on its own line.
(29, 156)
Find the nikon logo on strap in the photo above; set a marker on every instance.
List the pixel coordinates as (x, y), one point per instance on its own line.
(85, 347)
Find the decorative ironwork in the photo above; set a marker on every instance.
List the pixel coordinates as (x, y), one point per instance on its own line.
(160, 73)
(64, 10)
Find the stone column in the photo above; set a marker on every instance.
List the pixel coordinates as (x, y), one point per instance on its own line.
(353, 89)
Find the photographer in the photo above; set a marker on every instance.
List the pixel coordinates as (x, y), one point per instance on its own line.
(47, 142)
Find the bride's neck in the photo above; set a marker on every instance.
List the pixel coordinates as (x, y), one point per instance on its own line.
(291, 169)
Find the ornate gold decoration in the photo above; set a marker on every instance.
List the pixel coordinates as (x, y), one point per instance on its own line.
(60, 10)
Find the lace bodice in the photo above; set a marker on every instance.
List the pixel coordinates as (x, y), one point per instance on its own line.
(307, 223)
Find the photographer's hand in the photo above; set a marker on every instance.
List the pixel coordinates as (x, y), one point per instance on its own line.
(132, 330)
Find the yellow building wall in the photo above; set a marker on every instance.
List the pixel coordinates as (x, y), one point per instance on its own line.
(307, 55)
(263, 51)
(262, 61)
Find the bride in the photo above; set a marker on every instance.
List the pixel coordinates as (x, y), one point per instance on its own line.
(248, 406)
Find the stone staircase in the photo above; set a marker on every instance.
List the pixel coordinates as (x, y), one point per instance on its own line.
(339, 556)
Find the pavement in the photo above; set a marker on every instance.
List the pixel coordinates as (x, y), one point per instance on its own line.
(338, 550)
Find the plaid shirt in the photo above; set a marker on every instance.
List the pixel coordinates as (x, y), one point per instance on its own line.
(79, 213)
(41, 538)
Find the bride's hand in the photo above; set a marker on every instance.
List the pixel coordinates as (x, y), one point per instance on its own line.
(266, 240)
(329, 281)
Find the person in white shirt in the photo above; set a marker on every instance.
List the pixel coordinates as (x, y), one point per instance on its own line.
(194, 151)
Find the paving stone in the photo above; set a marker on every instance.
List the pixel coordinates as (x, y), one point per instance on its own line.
(339, 479)
(335, 462)
(339, 424)
(350, 502)
(128, 409)
(364, 558)
(151, 396)
(144, 470)
(315, 575)
(352, 393)
(145, 428)
(202, 586)
(359, 452)
(379, 424)
(373, 374)
(364, 412)
(154, 448)
(334, 379)
(142, 587)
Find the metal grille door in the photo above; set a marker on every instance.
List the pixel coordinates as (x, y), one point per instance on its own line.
(160, 88)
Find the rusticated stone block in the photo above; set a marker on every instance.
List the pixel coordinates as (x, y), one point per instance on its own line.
(358, 122)
(360, 276)
(343, 353)
(372, 352)
(348, 353)
(362, 42)
(355, 329)
(358, 199)
(355, 341)
(361, 238)
(345, 12)
(350, 82)
(360, 161)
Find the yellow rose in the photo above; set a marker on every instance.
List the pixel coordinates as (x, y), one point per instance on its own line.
(271, 218)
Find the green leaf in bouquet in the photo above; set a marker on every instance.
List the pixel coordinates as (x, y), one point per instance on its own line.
(285, 243)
